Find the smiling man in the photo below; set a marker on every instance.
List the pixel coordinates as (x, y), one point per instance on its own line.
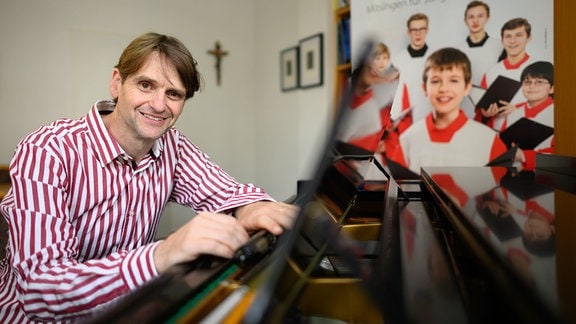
(87, 195)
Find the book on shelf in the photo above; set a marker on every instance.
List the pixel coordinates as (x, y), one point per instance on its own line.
(344, 54)
(338, 4)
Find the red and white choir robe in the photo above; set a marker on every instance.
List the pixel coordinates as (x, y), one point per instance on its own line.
(511, 71)
(543, 114)
(465, 142)
(483, 56)
(362, 124)
(410, 93)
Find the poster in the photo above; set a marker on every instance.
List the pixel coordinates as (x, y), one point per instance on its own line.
(448, 24)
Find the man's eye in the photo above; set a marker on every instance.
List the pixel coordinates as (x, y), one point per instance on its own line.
(174, 95)
(145, 85)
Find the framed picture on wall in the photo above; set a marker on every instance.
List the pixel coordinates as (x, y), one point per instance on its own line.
(311, 61)
(289, 68)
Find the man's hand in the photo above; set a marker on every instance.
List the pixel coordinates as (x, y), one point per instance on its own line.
(271, 216)
(220, 234)
(206, 233)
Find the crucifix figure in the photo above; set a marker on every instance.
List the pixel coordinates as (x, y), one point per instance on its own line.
(218, 54)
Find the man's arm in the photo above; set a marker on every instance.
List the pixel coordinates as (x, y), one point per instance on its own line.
(53, 281)
(203, 186)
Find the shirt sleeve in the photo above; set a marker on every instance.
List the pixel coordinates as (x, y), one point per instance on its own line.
(52, 280)
(203, 186)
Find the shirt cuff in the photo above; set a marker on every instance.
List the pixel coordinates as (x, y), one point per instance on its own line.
(138, 266)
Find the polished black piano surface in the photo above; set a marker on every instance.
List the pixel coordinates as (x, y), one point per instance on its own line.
(458, 245)
(499, 228)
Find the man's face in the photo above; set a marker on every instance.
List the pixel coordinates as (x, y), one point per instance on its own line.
(445, 89)
(149, 101)
(417, 31)
(476, 18)
(515, 41)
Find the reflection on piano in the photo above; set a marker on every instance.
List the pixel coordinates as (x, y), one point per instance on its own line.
(365, 255)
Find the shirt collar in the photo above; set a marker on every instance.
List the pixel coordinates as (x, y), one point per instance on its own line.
(532, 112)
(104, 145)
(510, 66)
(445, 134)
(417, 52)
(479, 44)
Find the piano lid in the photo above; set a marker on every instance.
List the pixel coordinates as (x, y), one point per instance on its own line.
(514, 217)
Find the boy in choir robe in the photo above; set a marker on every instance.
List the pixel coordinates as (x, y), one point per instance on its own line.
(410, 63)
(482, 50)
(516, 34)
(538, 88)
(367, 116)
(446, 137)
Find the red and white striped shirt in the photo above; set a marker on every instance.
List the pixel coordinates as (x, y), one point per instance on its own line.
(83, 218)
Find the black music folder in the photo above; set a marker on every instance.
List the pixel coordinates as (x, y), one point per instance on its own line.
(524, 185)
(502, 88)
(526, 134)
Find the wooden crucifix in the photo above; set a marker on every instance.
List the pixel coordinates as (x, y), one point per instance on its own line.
(218, 54)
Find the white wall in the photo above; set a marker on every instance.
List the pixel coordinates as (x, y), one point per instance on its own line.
(291, 124)
(57, 57)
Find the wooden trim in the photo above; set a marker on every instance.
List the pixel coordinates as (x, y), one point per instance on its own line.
(564, 77)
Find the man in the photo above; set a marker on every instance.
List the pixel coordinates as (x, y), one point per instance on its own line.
(482, 50)
(410, 63)
(87, 195)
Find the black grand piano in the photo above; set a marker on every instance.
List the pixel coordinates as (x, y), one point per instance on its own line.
(459, 245)
(450, 245)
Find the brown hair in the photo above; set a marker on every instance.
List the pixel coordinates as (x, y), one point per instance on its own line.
(473, 4)
(138, 51)
(379, 49)
(516, 23)
(539, 69)
(448, 58)
(417, 16)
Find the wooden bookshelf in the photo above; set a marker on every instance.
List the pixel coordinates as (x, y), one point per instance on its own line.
(4, 181)
(343, 51)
